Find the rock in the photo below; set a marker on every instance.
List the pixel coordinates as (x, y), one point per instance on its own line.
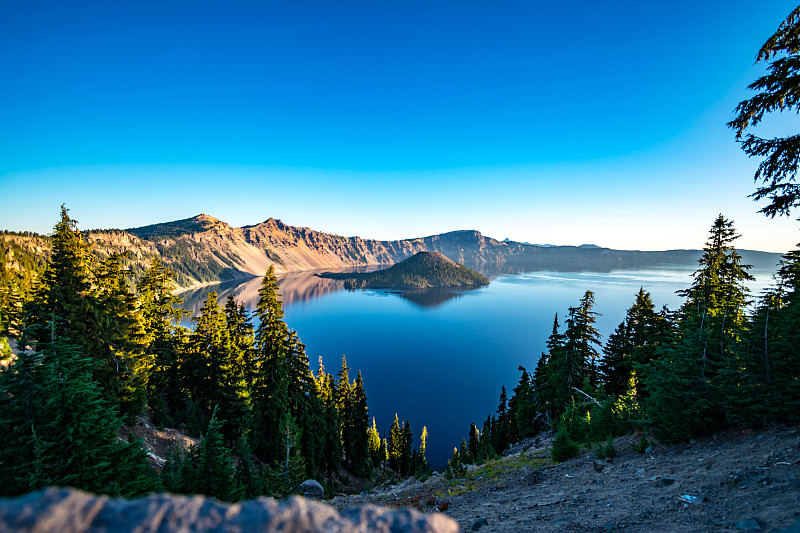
(649, 449)
(750, 524)
(641, 473)
(665, 481)
(531, 477)
(71, 511)
(311, 488)
(479, 523)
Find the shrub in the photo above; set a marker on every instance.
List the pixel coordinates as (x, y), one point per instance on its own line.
(563, 446)
(607, 449)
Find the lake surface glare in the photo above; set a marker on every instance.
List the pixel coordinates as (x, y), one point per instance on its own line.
(438, 358)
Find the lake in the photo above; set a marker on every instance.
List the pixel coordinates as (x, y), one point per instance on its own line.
(439, 357)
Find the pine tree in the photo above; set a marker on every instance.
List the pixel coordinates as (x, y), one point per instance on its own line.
(423, 439)
(164, 337)
(209, 368)
(777, 91)
(215, 475)
(374, 444)
(501, 436)
(395, 445)
(270, 387)
(687, 382)
(359, 427)
(633, 344)
(343, 395)
(767, 389)
(523, 408)
(59, 430)
(474, 442)
(406, 453)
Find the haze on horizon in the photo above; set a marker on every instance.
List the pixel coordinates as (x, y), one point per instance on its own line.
(564, 124)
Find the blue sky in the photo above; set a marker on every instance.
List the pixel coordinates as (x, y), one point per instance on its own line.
(568, 123)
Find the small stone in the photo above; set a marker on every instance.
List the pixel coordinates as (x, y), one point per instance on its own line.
(641, 473)
(649, 449)
(665, 481)
(479, 523)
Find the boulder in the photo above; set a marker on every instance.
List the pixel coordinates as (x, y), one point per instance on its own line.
(72, 511)
(479, 523)
(311, 488)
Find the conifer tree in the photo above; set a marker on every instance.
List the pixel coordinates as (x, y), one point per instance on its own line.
(423, 439)
(215, 475)
(359, 427)
(501, 436)
(687, 381)
(767, 389)
(374, 443)
(395, 445)
(270, 387)
(59, 430)
(474, 442)
(632, 345)
(164, 337)
(343, 395)
(209, 368)
(406, 453)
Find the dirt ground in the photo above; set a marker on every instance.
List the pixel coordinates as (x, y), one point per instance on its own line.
(736, 480)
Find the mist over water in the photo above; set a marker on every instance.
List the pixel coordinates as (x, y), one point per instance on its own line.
(439, 357)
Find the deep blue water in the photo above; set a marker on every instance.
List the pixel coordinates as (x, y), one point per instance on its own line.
(439, 358)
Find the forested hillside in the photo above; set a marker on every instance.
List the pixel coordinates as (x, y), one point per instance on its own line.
(420, 271)
(98, 352)
(719, 360)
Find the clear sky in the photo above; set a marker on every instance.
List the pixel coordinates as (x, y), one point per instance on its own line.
(547, 122)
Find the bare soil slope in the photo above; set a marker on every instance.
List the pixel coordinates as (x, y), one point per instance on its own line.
(736, 480)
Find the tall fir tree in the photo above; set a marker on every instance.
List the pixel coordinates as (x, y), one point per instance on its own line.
(687, 381)
(58, 429)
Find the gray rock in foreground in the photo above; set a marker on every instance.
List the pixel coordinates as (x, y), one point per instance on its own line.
(72, 511)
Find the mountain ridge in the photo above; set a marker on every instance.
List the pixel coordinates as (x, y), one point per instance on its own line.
(203, 249)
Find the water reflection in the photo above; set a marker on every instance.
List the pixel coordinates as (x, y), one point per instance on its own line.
(296, 287)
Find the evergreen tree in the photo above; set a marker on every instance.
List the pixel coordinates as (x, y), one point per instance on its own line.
(474, 442)
(406, 454)
(767, 389)
(395, 445)
(777, 91)
(359, 427)
(331, 445)
(343, 395)
(209, 368)
(215, 475)
(632, 345)
(501, 435)
(59, 430)
(374, 444)
(423, 439)
(270, 387)
(686, 383)
(164, 337)
(523, 408)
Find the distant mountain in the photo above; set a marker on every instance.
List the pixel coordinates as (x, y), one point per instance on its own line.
(203, 249)
(421, 271)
